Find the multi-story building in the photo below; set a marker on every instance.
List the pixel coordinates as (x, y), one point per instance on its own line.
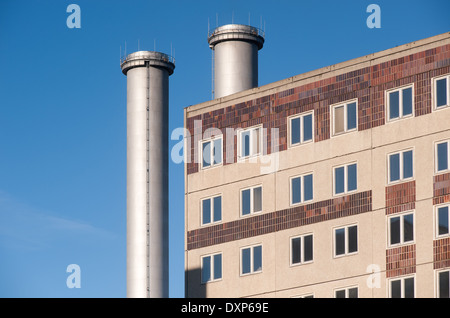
(331, 183)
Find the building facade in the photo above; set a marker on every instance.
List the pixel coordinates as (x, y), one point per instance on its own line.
(331, 183)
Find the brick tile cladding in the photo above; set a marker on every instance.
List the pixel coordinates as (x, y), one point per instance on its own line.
(401, 197)
(367, 84)
(441, 188)
(401, 260)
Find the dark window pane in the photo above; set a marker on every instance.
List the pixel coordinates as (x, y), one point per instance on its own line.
(217, 151)
(206, 153)
(246, 202)
(407, 164)
(308, 247)
(340, 293)
(408, 228)
(308, 187)
(409, 287)
(441, 92)
(246, 261)
(296, 250)
(352, 177)
(352, 239)
(245, 151)
(296, 190)
(442, 156)
(257, 258)
(206, 269)
(444, 285)
(217, 266)
(351, 116)
(295, 131)
(257, 199)
(396, 289)
(340, 241)
(394, 167)
(407, 101)
(339, 181)
(443, 220)
(307, 127)
(395, 230)
(206, 211)
(217, 209)
(353, 292)
(393, 105)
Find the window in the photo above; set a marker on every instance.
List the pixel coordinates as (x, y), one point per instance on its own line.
(211, 210)
(251, 200)
(401, 288)
(442, 162)
(442, 223)
(301, 249)
(401, 229)
(211, 152)
(211, 268)
(345, 179)
(443, 284)
(350, 292)
(441, 91)
(346, 240)
(301, 129)
(250, 142)
(301, 189)
(251, 260)
(400, 103)
(400, 166)
(345, 117)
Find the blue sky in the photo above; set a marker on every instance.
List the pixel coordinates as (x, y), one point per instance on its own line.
(63, 115)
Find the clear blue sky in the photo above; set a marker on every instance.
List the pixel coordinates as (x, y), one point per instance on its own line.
(63, 115)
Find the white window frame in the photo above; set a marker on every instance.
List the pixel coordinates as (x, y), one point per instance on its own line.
(402, 285)
(402, 178)
(347, 290)
(433, 91)
(346, 130)
(436, 220)
(400, 102)
(447, 269)
(239, 142)
(436, 156)
(347, 253)
(211, 198)
(309, 295)
(211, 268)
(252, 260)
(402, 232)
(252, 208)
(302, 201)
(302, 137)
(346, 191)
(211, 141)
(302, 249)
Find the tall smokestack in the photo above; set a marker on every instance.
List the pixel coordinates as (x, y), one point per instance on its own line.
(147, 173)
(236, 49)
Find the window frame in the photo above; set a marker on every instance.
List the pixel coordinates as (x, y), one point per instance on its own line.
(333, 116)
(302, 249)
(252, 260)
(346, 191)
(402, 285)
(211, 141)
(434, 93)
(401, 161)
(239, 142)
(346, 242)
(302, 189)
(211, 198)
(252, 212)
(436, 161)
(212, 279)
(302, 141)
(436, 220)
(437, 283)
(402, 231)
(346, 290)
(400, 103)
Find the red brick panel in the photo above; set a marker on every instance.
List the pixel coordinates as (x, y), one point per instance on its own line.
(401, 197)
(441, 188)
(401, 260)
(441, 253)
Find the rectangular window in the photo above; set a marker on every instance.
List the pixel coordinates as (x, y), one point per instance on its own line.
(251, 260)
(443, 284)
(442, 220)
(211, 268)
(345, 117)
(401, 229)
(251, 200)
(442, 161)
(441, 91)
(346, 240)
(301, 129)
(211, 152)
(250, 141)
(301, 189)
(400, 166)
(350, 292)
(402, 288)
(345, 179)
(400, 103)
(301, 249)
(211, 210)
